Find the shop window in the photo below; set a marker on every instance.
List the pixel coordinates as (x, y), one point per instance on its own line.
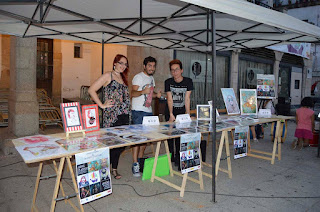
(297, 84)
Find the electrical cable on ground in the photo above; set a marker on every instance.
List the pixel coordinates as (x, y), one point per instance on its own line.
(194, 192)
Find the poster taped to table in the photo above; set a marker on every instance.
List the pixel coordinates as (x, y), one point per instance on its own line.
(37, 151)
(93, 174)
(190, 152)
(240, 142)
(90, 116)
(35, 139)
(265, 86)
(230, 101)
(71, 118)
(248, 102)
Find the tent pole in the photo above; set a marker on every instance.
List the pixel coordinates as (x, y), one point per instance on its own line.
(102, 70)
(206, 75)
(214, 103)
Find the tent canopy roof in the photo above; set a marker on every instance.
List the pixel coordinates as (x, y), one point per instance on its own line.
(164, 24)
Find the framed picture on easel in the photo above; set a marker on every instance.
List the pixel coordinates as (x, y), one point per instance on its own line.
(71, 118)
(204, 112)
(90, 117)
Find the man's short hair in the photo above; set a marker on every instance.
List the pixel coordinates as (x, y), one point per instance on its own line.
(175, 61)
(149, 60)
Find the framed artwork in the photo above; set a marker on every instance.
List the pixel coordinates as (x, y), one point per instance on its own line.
(248, 102)
(204, 112)
(265, 86)
(230, 101)
(90, 117)
(71, 118)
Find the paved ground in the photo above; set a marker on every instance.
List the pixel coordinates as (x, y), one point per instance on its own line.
(292, 184)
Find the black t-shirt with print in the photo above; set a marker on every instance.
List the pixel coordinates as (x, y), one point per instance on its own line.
(178, 92)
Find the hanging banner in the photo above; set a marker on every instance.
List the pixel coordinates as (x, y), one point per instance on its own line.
(265, 86)
(299, 49)
(240, 141)
(190, 152)
(93, 174)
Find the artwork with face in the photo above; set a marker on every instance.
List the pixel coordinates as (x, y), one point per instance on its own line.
(72, 120)
(230, 101)
(90, 116)
(248, 101)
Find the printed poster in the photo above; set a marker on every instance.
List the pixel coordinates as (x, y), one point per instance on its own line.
(35, 139)
(230, 101)
(248, 102)
(93, 174)
(265, 86)
(240, 142)
(190, 152)
(36, 151)
(80, 144)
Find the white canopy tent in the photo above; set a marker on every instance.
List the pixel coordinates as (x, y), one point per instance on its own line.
(165, 24)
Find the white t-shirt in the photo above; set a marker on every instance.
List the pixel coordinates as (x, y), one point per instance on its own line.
(143, 102)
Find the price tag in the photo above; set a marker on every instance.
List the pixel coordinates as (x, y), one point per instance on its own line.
(265, 113)
(183, 118)
(150, 120)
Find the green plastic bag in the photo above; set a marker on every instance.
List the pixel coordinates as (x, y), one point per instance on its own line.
(162, 167)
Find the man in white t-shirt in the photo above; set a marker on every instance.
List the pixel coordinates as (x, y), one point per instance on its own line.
(142, 93)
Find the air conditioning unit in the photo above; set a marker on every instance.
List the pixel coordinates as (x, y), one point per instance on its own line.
(252, 75)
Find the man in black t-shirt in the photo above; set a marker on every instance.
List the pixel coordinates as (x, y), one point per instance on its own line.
(178, 89)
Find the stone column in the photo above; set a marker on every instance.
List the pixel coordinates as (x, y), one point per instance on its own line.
(234, 75)
(306, 82)
(278, 57)
(23, 105)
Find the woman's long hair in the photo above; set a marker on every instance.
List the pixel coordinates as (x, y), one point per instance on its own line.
(124, 74)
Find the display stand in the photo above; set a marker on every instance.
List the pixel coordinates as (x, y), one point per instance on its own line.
(185, 176)
(75, 132)
(58, 185)
(224, 141)
(276, 144)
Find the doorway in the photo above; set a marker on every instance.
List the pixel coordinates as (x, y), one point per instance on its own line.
(45, 65)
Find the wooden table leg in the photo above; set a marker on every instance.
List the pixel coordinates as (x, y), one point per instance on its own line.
(36, 186)
(228, 155)
(275, 142)
(74, 181)
(57, 185)
(280, 140)
(183, 185)
(155, 161)
(56, 169)
(220, 151)
(168, 156)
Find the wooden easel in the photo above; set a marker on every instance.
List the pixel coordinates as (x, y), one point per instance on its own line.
(185, 176)
(58, 185)
(75, 132)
